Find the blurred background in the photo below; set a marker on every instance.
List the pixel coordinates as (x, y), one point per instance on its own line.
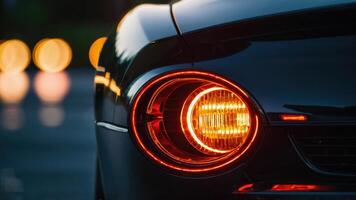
(48, 53)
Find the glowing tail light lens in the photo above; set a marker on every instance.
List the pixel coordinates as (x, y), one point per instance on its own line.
(194, 122)
(265, 187)
(293, 117)
(218, 121)
(298, 187)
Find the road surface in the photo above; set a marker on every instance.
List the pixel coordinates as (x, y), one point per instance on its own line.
(47, 148)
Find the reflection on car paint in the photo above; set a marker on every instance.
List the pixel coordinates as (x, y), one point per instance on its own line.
(108, 82)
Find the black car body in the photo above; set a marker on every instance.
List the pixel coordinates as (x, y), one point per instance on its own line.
(294, 60)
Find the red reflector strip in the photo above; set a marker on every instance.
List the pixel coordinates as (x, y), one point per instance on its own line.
(252, 188)
(245, 188)
(295, 187)
(291, 117)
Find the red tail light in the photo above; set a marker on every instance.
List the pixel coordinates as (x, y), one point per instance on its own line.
(293, 117)
(194, 121)
(298, 187)
(265, 187)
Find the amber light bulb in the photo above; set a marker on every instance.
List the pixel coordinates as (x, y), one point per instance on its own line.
(218, 121)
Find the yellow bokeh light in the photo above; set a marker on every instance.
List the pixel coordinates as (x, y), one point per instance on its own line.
(51, 88)
(52, 55)
(13, 87)
(95, 50)
(15, 56)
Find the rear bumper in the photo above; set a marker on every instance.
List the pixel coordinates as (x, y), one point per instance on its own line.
(127, 174)
(296, 196)
(293, 191)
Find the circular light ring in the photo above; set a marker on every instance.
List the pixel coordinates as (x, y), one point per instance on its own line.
(189, 120)
(230, 128)
(162, 159)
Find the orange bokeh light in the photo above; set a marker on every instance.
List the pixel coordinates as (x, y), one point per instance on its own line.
(13, 87)
(15, 56)
(95, 50)
(52, 55)
(51, 88)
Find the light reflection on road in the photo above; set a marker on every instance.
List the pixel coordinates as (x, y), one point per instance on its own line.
(10, 183)
(12, 117)
(13, 87)
(47, 141)
(51, 116)
(51, 88)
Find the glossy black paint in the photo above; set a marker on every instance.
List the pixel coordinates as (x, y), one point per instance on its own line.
(301, 71)
(136, 33)
(291, 62)
(193, 15)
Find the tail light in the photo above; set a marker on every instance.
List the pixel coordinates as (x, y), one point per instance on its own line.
(266, 187)
(293, 117)
(194, 122)
(298, 187)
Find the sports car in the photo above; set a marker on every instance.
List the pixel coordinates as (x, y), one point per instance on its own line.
(229, 99)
